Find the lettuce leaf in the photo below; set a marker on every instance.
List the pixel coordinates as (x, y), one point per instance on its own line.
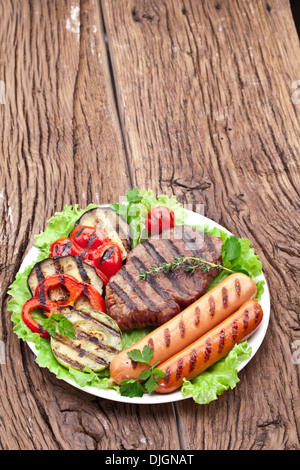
(219, 377)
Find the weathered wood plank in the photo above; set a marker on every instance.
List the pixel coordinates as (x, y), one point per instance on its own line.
(61, 143)
(204, 92)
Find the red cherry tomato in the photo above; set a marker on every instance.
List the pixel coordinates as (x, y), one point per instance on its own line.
(108, 259)
(63, 247)
(159, 218)
(88, 238)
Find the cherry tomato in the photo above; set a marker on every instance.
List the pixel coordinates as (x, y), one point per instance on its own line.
(159, 218)
(108, 259)
(63, 247)
(88, 238)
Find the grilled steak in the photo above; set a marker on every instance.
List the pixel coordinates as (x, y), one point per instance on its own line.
(135, 303)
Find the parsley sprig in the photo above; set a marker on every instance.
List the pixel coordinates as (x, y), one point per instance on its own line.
(58, 322)
(147, 380)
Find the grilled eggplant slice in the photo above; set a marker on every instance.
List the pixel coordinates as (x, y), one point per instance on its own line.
(115, 226)
(98, 340)
(69, 264)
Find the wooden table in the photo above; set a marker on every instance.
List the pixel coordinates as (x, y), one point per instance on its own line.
(195, 98)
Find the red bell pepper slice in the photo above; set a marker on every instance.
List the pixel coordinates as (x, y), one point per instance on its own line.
(42, 300)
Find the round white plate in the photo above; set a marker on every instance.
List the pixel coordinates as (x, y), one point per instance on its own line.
(255, 341)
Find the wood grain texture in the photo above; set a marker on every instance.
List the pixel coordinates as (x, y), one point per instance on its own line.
(61, 143)
(204, 92)
(203, 110)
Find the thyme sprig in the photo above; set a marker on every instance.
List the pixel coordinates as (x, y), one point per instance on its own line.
(188, 263)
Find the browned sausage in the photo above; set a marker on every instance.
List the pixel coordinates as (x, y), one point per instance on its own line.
(211, 347)
(187, 326)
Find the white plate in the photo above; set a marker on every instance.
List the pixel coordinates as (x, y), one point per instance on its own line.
(255, 341)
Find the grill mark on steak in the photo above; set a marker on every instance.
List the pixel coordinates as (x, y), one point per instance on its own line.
(122, 294)
(125, 274)
(169, 274)
(191, 243)
(150, 279)
(208, 242)
(174, 250)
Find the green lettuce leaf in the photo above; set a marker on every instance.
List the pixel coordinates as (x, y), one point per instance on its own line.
(211, 383)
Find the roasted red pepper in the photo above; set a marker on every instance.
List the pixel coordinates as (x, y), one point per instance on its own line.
(32, 324)
(88, 238)
(94, 247)
(43, 301)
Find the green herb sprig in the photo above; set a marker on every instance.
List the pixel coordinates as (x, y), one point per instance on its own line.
(147, 380)
(188, 263)
(59, 322)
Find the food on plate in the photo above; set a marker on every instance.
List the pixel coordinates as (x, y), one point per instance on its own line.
(153, 277)
(71, 265)
(210, 347)
(135, 303)
(115, 226)
(201, 316)
(97, 341)
(158, 219)
(59, 284)
(91, 245)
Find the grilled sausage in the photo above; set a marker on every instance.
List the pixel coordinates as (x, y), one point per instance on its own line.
(211, 347)
(183, 329)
